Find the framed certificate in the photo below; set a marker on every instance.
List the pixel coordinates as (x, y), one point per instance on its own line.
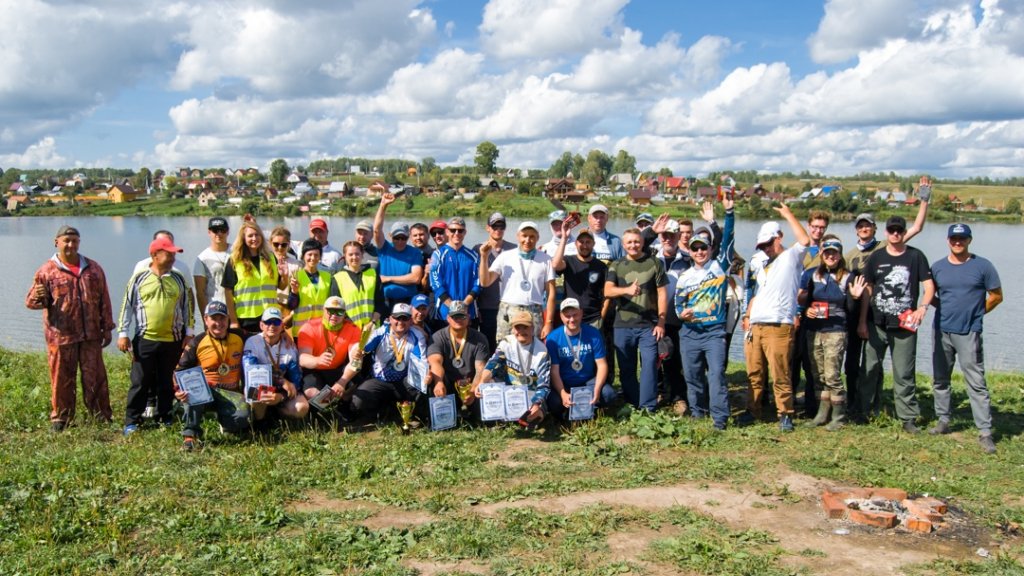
(492, 401)
(193, 382)
(442, 412)
(581, 408)
(258, 380)
(517, 402)
(323, 399)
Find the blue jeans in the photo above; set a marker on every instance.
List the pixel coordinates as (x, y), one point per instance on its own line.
(232, 412)
(700, 351)
(628, 342)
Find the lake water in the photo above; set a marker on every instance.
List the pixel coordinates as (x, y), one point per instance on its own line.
(118, 243)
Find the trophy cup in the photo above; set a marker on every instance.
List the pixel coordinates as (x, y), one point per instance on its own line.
(405, 411)
(465, 389)
(364, 337)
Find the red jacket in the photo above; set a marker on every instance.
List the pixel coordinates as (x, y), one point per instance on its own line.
(75, 308)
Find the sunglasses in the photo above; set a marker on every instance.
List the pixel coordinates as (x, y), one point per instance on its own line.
(458, 317)
(272, 322)
(219, 230)
(280, 244)
(497, 226)
(402, 318)
(699, 248)
(437, 233)
(335, 311)
(896, 230)
(456, 230)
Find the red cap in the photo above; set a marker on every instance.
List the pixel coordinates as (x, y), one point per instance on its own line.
(318, 223)
(439, 224)
(163, 243)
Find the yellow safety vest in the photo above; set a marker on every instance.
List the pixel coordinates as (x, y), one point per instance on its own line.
(358, 302)
(311, 299)
(255, 292)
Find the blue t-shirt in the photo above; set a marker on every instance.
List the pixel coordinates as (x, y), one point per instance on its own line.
(395, 263)
(962, 290)
(589, 346)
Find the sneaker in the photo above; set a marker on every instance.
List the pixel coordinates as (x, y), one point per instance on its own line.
(988, 446)
(941, 427)
(130, 429)
(910, 428)
(786, 423)
(188, 444)
(679, 407)
(745, 419)
(58, 426)
(720, 426)
(149, 412)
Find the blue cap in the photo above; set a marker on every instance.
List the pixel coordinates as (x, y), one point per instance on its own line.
(216, 307)
(958, 229)
(420, 300)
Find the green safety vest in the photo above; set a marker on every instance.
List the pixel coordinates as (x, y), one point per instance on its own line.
(358, 302)
(255, 292)
(311, 299)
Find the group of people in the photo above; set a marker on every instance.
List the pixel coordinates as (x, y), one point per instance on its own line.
(393, 319)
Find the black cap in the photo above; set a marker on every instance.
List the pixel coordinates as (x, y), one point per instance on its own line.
(896, 222)
(217, 222)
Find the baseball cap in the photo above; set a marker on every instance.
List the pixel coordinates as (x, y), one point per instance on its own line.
(698, 239)
(495, 218)
(217, 223)
(420, 300)
(672, 227)
(597, 208)
(644, 217)
(768, 232)
(832, 244)
(896, 222)
(959, 229)
(557, 215)
(521, 318)
(334, 302)
(584, 232)
(318, 223)
(438, 224)
(364, 225)
(216, 308)
(457, 221)
(864, 216)
(272, 313)
(399, 229)
(569, 303)
(163, 243)
(528, 224)
(458, 308)
(308, 245)
(66, 230)
(401, 309)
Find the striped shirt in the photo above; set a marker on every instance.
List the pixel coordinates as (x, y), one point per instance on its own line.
(161, 306)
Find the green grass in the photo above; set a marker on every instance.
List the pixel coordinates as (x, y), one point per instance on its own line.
(89, 501)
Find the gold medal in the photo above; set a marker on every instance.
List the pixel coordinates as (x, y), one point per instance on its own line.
(223, 369)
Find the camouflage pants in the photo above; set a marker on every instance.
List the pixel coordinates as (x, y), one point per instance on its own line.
(826, 351)
(65, 362)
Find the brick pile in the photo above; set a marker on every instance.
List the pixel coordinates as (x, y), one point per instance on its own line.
(884, 508)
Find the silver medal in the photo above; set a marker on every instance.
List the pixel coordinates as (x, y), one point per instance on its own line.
(457, 362)
(525, 285)
(577, 365)
(400, 365)
(524, 380)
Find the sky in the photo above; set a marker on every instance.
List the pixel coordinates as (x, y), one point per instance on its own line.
(831, 86)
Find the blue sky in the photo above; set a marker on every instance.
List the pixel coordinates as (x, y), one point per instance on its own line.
(836, 86)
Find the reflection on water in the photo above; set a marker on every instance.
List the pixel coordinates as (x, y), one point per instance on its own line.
(118, 242)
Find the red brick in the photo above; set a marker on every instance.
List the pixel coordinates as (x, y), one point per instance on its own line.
(889, 493)
(922, 510)
(858, 493)
(916, 524)
(878, 519)
(934, 503)
(834, 505)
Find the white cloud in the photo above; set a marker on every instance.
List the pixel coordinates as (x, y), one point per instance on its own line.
(42, 154)
(427, 89)
(850, 26)
(549, 28)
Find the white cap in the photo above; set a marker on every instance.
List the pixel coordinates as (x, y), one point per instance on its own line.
(672, 226)
(597, 208)
(768, 232)
(569, 303)
(528, 224)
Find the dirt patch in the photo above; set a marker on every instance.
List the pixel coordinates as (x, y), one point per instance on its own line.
(378, 516)
(797, 525)
(526, 451)
(424, 568)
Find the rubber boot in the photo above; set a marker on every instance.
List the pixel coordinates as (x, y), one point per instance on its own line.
(838, 417)
(823, 405)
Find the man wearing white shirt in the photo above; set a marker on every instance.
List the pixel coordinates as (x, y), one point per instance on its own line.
(527, 279)
(555, 219)
(210, 263)
(331, 259)
(770, 316)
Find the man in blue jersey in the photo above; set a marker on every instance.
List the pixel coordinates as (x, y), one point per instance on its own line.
(578, 358)
(454, 273)
(401, 265)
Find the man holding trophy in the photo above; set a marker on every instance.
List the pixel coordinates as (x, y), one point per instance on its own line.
(457, 355)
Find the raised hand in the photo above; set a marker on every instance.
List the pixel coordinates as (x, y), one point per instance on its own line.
(660, 223)
(707, 211)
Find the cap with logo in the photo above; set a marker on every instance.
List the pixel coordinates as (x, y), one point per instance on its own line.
(959, 230)
(67, 230)
(420, 300)
(832, 244)
(643, 217)
(163, 243)
(272, 313)
(217, 223)
(698, 239)
(438, 225)
(458, 308)
(401, 309)
(557, 216)
(334, 302)
(216, 308)
(672, 227)
(318, 223)
(569, 303)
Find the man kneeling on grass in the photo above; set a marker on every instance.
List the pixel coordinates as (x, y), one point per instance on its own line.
(219, 351)
(274, 347)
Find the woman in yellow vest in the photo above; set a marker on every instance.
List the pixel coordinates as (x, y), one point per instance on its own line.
(359, 286)
(310, 287)
(251, 279)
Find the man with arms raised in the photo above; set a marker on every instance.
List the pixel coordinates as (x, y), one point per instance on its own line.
(490, 294)
(401, 265)
(583, 275)
(527, 281)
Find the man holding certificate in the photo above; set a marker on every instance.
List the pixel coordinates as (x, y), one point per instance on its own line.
(274, 347)
(522, 361)
(578, 359)
(218, 351)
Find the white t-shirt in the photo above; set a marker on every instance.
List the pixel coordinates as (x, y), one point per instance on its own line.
(777, 285)
(551, 248)
(210, 264)
(513, 269)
